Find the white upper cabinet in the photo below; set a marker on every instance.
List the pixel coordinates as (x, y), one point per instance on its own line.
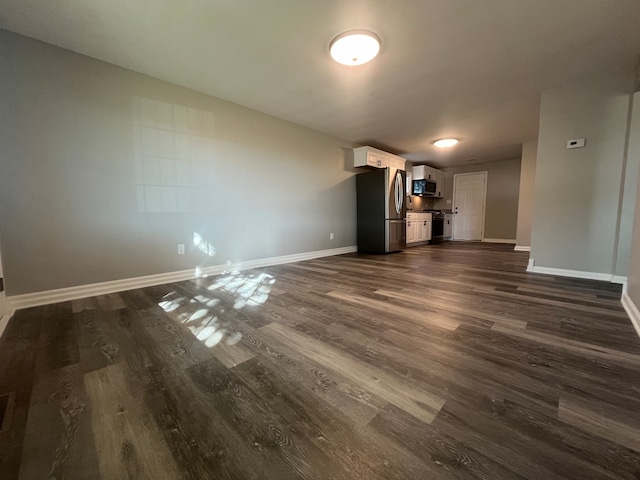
(372, 157)
(429, 173)
(440, 179)
(422, 171)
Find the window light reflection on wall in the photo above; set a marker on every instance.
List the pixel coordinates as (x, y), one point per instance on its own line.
(175, 157)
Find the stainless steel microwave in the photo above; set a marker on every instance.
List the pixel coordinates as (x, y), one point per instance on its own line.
(424, 187)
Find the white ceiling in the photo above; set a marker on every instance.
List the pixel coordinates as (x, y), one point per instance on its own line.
(472, 69)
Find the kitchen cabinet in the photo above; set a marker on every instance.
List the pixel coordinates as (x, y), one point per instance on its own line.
(412, 230)
(372, 157)
(425, 231)
(439, 174)
(423, 171)
(418, 227)
(433, 174)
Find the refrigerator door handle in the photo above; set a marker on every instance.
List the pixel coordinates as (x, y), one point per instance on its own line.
(398, 193)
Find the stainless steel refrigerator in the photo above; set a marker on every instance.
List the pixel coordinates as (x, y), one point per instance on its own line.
(381, 210)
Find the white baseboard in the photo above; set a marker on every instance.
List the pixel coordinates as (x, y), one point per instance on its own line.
(632, 311)
(622, 280)
(499, 240)
(520, 248)
(5, 313)
(17, 302)
(561, 272)
(4, 320)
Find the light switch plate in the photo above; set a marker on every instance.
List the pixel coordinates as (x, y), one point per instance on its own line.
(575, 143)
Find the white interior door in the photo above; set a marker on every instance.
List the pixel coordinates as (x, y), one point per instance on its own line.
(469, 194)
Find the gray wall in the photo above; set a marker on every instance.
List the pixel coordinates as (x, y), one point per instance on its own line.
(527, 187)
(631, 170)
(633, 275)
(503, 185)
(104, 171)
(577, 191)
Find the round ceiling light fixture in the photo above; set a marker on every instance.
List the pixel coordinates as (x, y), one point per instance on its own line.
(446, 142)
(354, 47)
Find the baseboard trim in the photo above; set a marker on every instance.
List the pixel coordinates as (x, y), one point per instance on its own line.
(520, 248)
(622, 280)
(561, 272)
(5, 313)
(17, 302)
(632, 310)
(499, 240)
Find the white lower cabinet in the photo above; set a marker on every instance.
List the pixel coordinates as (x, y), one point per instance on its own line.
(418, 227)
(426, 230)
(412, 230)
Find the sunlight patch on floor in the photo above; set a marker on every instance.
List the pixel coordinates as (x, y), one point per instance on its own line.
(202, 313)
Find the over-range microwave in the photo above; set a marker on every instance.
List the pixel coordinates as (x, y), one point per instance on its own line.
(424, 187)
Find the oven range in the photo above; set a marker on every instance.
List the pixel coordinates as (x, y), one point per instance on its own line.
(441, 225)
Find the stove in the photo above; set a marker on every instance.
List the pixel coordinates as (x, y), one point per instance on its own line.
(439, 213)
(439, 219)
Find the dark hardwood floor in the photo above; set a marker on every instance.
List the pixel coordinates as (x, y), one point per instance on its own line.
(445, 361)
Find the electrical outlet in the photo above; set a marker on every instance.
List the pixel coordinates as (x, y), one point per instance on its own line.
(331, 236)
(448, 201)
(181, 249)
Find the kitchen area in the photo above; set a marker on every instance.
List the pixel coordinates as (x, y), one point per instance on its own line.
(425, 222)
(399, 205)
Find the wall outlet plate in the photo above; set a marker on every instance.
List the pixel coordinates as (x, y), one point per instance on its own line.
(576, 143)
(181, 249)
(331, 236)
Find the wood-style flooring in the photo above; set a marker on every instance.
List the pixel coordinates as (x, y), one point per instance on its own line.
(440, 362)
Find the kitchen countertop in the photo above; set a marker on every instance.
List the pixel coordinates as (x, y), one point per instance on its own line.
(446, 212)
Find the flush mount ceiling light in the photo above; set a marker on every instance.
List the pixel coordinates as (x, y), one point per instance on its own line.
(445, 142)
(354, 47)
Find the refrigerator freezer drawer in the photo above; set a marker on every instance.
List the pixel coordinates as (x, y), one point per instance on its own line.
(396, 237)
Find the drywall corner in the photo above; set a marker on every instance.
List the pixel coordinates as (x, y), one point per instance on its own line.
(632, 310)
(577, 190)
(526, 192)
